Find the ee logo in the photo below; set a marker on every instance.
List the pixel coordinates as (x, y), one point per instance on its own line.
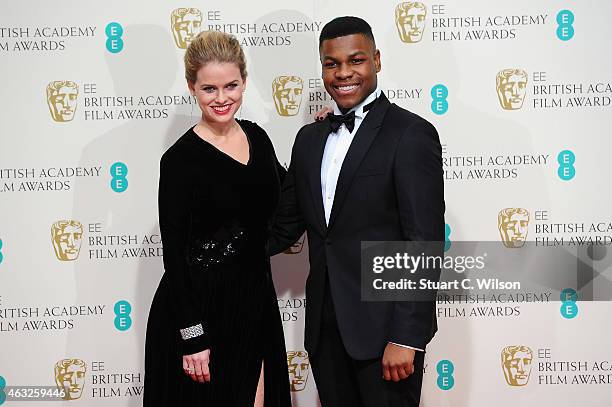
(114, 42)
(447, 241)
(439, 104)
(445, 369)
(118, 172)
(123, 321)
(565, 29)
(566, 160)
(2, 392)
(569, 309)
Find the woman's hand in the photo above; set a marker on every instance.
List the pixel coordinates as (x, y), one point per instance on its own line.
(196, 366)
(322, 114)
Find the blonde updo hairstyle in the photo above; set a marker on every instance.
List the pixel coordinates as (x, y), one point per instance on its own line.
(213, 46)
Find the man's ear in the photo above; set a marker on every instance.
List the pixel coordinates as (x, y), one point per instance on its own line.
(377, 60)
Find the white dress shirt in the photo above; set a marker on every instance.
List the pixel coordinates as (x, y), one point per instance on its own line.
(336, 147)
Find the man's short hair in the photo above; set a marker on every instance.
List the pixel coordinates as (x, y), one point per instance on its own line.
(343, 26)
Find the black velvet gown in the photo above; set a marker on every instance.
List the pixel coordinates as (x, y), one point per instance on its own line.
(214, 215)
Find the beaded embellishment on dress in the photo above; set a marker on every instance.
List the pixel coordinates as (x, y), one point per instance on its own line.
(210, 252)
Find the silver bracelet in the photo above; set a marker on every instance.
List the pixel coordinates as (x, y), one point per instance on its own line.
(192, 332)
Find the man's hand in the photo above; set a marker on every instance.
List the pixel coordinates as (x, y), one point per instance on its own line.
(397, 362)
(196, 366)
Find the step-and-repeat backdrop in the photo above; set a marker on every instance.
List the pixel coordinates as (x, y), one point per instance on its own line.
(94, 93)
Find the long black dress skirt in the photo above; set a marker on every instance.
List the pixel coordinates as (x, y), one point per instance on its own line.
(214, 216)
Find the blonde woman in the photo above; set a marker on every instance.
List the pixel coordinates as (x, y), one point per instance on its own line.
(214, 335)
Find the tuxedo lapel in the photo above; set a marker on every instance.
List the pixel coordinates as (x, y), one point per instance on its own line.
(359, 147)
(318, 144)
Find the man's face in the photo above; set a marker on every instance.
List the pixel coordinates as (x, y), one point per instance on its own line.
(411, 23)
(72, 379)
(67, 242)
(517, 368)
(349, 66)
(514, 229)
(299, 367)
(288, 98)
(512, 91)
(63, 103)
(186, 28)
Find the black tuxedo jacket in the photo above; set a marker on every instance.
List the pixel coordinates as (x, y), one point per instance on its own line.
(390, 187)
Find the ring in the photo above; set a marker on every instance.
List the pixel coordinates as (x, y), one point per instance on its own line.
(190, 371)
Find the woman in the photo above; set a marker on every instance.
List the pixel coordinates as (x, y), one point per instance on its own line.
(214, 335)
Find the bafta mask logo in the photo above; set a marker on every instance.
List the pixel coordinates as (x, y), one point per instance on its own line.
(516, 364)
(297, 246)
(70, 376)
(287, 94)
(66, 236)
(299, 367)
(62, 100)
(410, 21)
(511, 88)
(513, 226)
(185, 24)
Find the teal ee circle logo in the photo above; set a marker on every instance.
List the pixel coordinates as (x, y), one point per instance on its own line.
(565, 28)
(114, 42)
(447, 241)
(439, 104)
(566, 160)
(445, 369)
(2, 392)
(118, 172)
(1, 255)
(123, 321)
(569, 309)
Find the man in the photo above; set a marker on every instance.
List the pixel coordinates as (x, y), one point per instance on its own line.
(372, 171)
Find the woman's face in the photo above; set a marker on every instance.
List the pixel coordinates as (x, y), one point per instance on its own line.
(218, 89)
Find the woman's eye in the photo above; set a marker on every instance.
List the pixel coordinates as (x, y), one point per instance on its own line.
(208, 89)
(232, 85)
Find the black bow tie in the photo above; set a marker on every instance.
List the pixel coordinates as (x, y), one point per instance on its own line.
(348, 119)
(337, 120)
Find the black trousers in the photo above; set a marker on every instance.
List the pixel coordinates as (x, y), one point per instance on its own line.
(343, 381)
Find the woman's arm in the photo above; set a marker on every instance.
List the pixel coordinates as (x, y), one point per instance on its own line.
(174, 222)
